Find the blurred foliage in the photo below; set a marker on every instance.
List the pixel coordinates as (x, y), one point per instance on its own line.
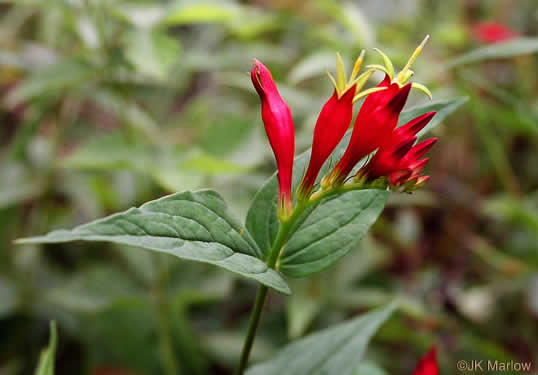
(106, 104)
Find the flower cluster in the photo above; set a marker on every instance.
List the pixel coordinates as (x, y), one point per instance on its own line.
(396, 160)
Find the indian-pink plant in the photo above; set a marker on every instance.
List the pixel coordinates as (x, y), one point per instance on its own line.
(293, 230)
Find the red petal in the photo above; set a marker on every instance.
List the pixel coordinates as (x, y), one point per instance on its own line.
(373, 127)
(397, 178)
(420, 149)
(332, 124)
(403, 147)
(428, 364)
(415, 125)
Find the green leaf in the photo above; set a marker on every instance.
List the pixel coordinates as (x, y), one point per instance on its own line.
(443, 108)
(337, 350)
(46, 360)
(173, 168)
(249, 22)
(353, 20)
(50, 80)
(511, 48)
(369, 368)
(152, 52)
(139, 15)
(330, 231)
(304, 305)
(262, 220)
(18, 185)
(10, 296)
(202, 12)
(190, 225)
(92, 289)
(103, 331)
(311, 66)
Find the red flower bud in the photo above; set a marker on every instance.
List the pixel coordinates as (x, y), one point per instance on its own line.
(492, 32)
(331, 126)
(278, 123)
(375, 122)
(428, 364)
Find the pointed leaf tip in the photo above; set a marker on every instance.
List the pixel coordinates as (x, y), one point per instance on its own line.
(309, 355)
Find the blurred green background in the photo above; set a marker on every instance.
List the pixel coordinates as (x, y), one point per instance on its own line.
(105, 104)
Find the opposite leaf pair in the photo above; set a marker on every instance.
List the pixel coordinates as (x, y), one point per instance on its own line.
(397, 160)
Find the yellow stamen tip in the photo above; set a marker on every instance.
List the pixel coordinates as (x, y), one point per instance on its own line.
(387, 62)
(426, 38)
(357, 66)
(331, 78)
(340, 74)
(378, 67)
(403, 76)
(361, 80)
(422, 88)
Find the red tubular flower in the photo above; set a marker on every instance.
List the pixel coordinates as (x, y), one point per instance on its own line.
(398, 159)
(492, 32)
(428, 364)
(278, 123)
(376, 120)
(332, 123)
(388, 160)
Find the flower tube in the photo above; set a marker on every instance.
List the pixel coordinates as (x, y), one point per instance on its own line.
(278, 123)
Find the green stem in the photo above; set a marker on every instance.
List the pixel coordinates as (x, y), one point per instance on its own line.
(252, 328)
(165, 338)
(281, 239)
